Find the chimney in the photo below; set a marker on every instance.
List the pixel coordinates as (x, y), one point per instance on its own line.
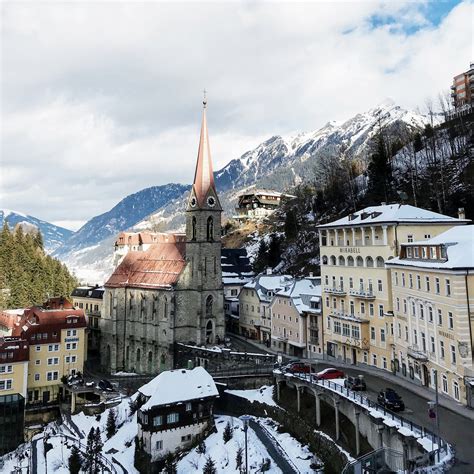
(461, 213)
(383, 203)
(311, 274)
(269, 271)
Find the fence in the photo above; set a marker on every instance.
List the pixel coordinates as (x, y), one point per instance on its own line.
(443, 448)
(377, 461)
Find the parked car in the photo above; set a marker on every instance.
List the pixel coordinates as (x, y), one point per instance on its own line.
(390, 399)
(355, 383)
(75, 380)
(329, 373)
(298, 368)
(105, 385)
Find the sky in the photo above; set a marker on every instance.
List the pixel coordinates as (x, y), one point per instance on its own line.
(102, 99)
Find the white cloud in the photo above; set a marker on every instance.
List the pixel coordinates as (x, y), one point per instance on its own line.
(103, 99)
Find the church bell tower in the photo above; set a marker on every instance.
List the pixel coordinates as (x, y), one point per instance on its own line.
(203, 246)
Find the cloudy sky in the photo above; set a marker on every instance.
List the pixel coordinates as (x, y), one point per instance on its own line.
(102, 99)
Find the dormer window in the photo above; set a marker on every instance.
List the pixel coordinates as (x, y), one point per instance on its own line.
(444, 254)
(433, 252)
(423, 252)
(409, 252)
(416, 252)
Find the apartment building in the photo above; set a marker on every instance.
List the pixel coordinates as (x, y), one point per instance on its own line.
(297, 319)
(462, 89)
(90, 299)
(254, 303)
(13, 366)
(56, 334)
(356, 284)
(433, 296)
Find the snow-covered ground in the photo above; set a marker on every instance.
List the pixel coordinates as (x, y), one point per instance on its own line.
(262, 395)
(121, 445)
(224, 454)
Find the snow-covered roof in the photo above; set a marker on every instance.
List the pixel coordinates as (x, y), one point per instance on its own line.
(263, 284)
(180, 385)
(459, 243)
(393, 213)
(303, 292)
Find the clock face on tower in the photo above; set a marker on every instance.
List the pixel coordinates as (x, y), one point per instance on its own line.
(211, 202)
(193, 202)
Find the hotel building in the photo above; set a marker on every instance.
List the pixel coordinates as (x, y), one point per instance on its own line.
(433, 298)
(356, 284)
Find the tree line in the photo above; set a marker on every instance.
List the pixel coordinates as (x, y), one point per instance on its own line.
(27, 275)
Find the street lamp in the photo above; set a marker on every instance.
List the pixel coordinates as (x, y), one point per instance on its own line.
(246, 419)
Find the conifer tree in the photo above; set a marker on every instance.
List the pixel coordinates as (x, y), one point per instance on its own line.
(111, 426)
(201, 447)
(89, 456)
(261, 260)
(74, 461)
(228, 433)
(291, 225)
(170, 464)
(239, 458)
(210, 466)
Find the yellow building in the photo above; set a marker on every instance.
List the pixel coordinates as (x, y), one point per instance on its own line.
(56, 333)
(13, 366)
(356, 285)
(433, 296)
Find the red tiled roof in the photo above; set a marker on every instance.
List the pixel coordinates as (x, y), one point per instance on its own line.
(8, 319)
(159, 266)
(13, 349)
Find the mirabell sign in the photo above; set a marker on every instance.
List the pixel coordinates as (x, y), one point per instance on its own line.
(350, 250)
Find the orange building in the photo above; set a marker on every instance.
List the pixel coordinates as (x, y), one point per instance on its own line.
(462, 90)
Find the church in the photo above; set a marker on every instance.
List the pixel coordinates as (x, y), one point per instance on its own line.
(172, 292)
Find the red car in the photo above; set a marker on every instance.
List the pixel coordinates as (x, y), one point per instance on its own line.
(298, 368)
(329, 373)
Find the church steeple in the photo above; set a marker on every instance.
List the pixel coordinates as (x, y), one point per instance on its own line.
(203, 184)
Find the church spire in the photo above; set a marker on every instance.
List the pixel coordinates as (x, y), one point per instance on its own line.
(203, 177)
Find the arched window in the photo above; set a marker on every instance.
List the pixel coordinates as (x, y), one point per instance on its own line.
(138, 355)
(194, 228)
(332, 260)
(209, 333)
(150, 362)
(325, 260)
(350, 261)
(165, 308)
(210, 229)
(380, 262)
(359, 261)
(342, 261)
(209, 303)
(369, 262)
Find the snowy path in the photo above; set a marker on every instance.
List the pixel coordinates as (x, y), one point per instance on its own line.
(271, 447)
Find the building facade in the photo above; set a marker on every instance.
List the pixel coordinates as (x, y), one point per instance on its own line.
(177, 411)
(433, 295)
(258, 203)
(357, 287)
(89, 298)
(462, 89)
(56, 335)
(297, 318)
(171, 292)
(14, 356)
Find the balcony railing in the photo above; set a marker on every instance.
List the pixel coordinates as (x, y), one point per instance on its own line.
(356, 318)
(363, 294)
(335, 290)
(417, 353)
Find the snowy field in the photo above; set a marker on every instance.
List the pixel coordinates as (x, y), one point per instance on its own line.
(262, 395)
(121, 445)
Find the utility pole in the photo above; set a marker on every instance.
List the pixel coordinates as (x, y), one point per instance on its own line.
(437, 411)
(245, 419)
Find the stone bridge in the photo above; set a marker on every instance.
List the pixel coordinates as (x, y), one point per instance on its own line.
(382, 428)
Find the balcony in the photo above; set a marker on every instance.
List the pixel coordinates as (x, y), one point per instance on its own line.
(363, 294)
(418, 354)
(355, 318)
(334, 290)
(360, 343)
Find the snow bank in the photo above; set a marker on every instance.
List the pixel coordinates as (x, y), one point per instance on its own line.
(262, 395)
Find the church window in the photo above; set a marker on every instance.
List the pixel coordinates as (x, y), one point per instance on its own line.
(155, 303)
(165, 314)
(215, 265)
(209, 303)
(111, 303)
(205, 266)
(210, 229)
(194, 228)
(138, 355)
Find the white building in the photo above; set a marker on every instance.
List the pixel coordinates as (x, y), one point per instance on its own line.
(178, 411)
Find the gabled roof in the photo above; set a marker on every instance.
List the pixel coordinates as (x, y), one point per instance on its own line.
(302, 292)
(459, 243)
(264, 283)
(393, 213)
(158, 267)
(180, 385)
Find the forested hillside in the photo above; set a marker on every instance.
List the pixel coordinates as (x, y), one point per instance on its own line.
(27, 274)
(432, 169)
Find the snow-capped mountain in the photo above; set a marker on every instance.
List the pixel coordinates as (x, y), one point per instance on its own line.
(278, 163)
(53, 235)
(124, 215)
(292, 152)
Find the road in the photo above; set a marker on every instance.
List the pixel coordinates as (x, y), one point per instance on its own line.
(456, 429)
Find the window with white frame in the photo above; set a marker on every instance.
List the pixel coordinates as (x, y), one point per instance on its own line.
(450, 320)
(404, 306)
(71, 346)
(422, 312)
(444, 383)
(448, 287)
(441, 349)
(6, 369)
(381, 310)
(418, 282)
(427, 283)
(372, 333)
(50, 376)
(453, 354)
(398, 304)
(410, 238)
(437, 286)
(53, 360)
(37, 377)
(345, 329)
(379, 285)
(157, 420)
(456, 390)
(430, 314)
(440, 317)
(433, 346)
(406, 333)
(159, 445)
(371, 309)
(374, 360)
(410, 279)
(6, 384)
(337, 327)
(355, 332)
(382, 335)
(172, 418)
(384, 362)
(396, 278)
